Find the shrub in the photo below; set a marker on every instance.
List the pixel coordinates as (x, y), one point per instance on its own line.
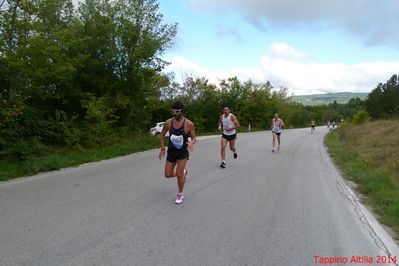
(361, 117)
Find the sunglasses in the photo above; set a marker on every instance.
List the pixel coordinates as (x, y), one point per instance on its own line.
(176, 110)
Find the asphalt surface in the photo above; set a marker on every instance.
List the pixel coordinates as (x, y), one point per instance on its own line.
(285, 208)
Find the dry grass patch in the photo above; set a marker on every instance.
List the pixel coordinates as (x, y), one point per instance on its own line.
(369, 156)
(377, 143)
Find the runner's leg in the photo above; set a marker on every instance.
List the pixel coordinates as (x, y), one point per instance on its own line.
(278, 139)
(223, 144)
(274, 140)
(181, 165)
(232, 144)
(170, 169)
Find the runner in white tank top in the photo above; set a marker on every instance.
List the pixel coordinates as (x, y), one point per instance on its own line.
(277, 124)
(228, 124)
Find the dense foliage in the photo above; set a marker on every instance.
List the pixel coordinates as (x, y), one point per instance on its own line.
(383, 101)
(76, 75)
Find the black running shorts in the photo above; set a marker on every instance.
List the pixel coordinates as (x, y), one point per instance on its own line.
(230, 137)
(175, 155)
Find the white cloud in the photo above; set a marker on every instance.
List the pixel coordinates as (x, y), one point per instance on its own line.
(374, 22)
(283, 50)
(298, 75)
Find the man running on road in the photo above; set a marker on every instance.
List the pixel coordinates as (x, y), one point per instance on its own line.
(277, 124)
(228, 124)
(312, 126)
(179, 146)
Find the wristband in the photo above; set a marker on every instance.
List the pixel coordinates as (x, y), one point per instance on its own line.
(162, 149)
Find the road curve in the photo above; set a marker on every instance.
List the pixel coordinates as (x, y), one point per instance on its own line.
(286, 208)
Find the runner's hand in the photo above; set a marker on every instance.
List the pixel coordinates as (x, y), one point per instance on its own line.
(161, 154)
(190, 146)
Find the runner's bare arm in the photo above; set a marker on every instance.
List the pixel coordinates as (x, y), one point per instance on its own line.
(191, 133)
(235, 120)
(220, 123)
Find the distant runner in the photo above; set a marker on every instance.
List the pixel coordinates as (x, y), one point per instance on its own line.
(179, 129)
(312, 126)
(329, 127)
(228, 124)
(277, 124)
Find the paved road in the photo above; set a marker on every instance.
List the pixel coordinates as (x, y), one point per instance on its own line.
(285, 208)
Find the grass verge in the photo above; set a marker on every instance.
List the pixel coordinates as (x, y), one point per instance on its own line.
(371, 169)
(58, 159)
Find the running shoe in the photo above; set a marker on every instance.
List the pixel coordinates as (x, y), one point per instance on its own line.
(223, 165)
(185, 174)
(179, 198)
(235, 155)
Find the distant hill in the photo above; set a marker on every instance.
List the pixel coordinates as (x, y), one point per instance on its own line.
(319, 99)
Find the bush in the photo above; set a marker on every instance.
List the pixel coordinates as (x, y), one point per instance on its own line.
(99, 120)
(361, 117)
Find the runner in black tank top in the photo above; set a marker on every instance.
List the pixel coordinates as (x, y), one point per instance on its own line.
(177, 147)
(180, 129)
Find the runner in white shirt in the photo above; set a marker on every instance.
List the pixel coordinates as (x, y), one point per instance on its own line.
(228, 124)
(277, 124)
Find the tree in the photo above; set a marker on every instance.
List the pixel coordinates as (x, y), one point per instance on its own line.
(126, 41)
(383, 101)
(391, 97)
(361, 117)
(257, 109)
(63, 72)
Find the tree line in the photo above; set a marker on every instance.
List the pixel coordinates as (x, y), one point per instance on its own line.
(90, 74)
(74, 75)
(383, 101)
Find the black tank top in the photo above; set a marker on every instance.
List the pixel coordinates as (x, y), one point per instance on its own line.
(177, 137)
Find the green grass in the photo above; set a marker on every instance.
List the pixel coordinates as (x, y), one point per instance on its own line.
(376, 182)
(58, 159)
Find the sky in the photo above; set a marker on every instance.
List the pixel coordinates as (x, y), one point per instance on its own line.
(308, 46)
